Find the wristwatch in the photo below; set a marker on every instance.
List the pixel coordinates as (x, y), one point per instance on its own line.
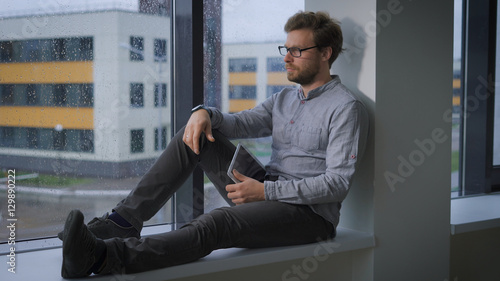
(201, 106)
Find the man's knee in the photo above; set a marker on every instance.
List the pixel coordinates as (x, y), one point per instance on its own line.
(216, 218)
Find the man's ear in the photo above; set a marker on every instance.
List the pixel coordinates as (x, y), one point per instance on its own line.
(326, 53)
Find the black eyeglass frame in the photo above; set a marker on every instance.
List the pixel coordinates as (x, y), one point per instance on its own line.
(293, 49)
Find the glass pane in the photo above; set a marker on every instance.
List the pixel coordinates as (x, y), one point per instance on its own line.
(83, 102)
(496, 132)
(243, 66)
(457, 91)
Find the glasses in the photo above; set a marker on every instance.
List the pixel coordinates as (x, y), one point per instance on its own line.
(294, 51)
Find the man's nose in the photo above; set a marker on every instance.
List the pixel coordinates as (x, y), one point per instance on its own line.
(288, 57)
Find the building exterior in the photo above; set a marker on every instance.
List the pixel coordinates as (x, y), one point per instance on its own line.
(84, 93)
(156, 7)
(89, 93)
(251, 73)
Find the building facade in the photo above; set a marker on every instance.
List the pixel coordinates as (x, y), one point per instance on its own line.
(89, 93)
(84, 93)
(251, 73)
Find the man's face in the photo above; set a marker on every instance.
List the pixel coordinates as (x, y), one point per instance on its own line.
(302, 70)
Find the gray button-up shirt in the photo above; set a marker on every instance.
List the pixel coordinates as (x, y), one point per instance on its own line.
(316, 143)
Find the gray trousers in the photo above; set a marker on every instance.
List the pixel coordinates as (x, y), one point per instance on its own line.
(251, 225)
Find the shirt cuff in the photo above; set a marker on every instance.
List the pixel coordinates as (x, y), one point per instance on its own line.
(215, 117)
(270, 190)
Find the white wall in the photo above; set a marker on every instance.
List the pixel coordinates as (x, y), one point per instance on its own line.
(356, 68)
(404, 72)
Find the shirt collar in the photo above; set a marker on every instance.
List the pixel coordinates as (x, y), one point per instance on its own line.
(318, 91)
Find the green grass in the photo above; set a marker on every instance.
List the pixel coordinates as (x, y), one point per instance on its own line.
(44, 180)
(4, 173)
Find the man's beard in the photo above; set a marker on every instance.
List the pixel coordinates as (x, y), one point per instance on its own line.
(304, 76)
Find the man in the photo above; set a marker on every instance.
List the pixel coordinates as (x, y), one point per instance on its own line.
(318, 132)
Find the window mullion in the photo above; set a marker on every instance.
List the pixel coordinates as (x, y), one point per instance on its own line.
(478, 73)
(187, 89)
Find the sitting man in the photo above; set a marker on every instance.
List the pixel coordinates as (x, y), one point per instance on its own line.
(319, 131)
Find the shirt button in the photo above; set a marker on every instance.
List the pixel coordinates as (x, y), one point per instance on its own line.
(292, 122)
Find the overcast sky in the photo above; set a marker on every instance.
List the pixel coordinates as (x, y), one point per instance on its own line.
(243, 21)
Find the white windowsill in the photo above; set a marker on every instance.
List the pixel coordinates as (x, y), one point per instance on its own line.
(475, 213)
(46, 264)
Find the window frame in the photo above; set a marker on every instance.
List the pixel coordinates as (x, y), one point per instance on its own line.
(187, 88)
(479, 27)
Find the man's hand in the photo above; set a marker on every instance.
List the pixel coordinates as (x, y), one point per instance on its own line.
(198, 122)
(248, 190)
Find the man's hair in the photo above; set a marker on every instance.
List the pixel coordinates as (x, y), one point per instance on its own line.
(326, 30)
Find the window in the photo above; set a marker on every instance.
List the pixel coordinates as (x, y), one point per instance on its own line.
(31, 94)
(247, 61)
(161, 137)
(136, 95)
(137, 48)
(160, 50)
(7, 92)
(474, 144)
(86, 141)
(67, 107)
(59, 95)
(45, 50)
(160, 95)
(59, 139)
(243, 65)
(6, 51)
(86, 50)
(32, 138)
(59, 48)
(242, 92)
(98, 120)
(72, 95)
(275, 64)
(86, 95)
(47, 139)
(7, 137)
(136, 141)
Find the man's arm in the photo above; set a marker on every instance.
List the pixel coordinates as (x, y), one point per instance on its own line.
(252, 123)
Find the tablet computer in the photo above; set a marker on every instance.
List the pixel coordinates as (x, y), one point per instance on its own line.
(246, 164)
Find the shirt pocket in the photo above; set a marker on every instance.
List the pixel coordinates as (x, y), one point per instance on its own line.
(281, 134)
(308, 138)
